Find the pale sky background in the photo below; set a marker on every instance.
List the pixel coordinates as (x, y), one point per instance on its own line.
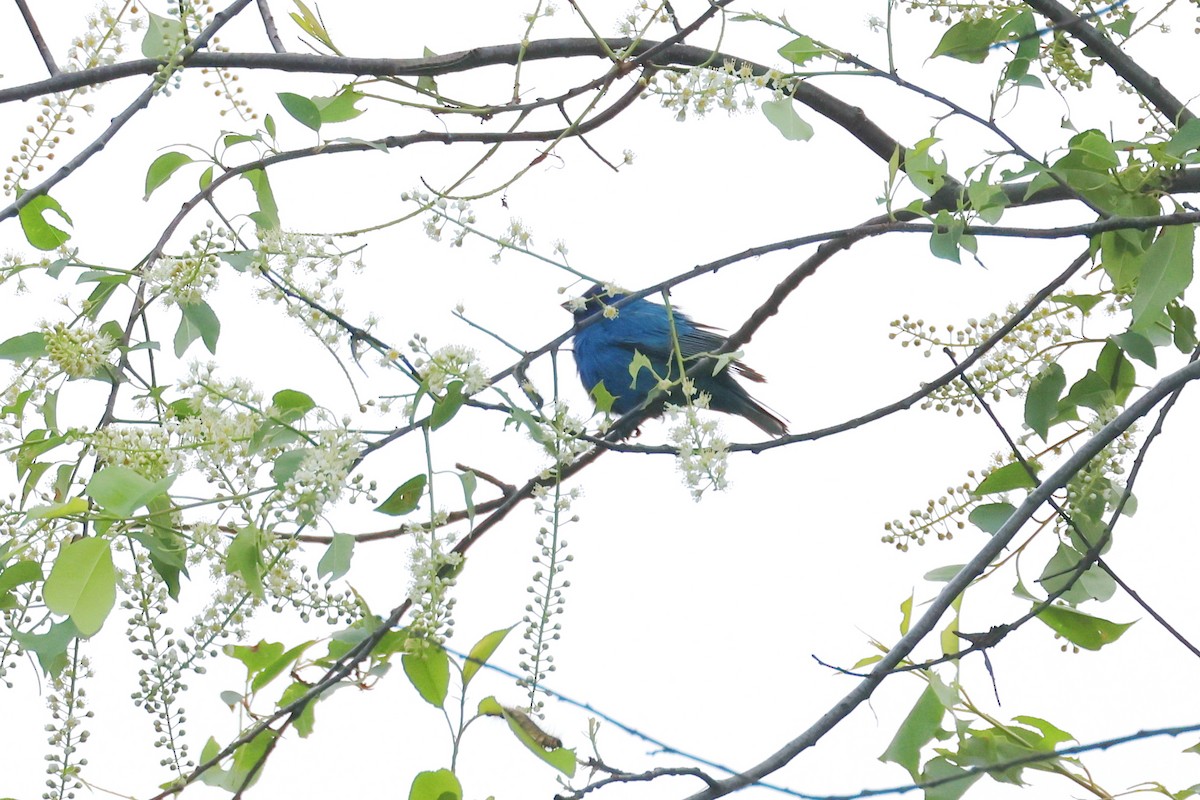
(694, 623)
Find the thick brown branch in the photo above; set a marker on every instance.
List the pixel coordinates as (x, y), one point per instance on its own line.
(36, 33)
(1146, 84)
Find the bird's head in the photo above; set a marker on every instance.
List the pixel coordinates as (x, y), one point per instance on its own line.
(594, 300)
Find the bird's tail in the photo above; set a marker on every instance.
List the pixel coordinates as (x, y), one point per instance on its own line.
(735, 399)
(770, 422)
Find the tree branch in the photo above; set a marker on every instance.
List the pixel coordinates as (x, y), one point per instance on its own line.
(1146, 84)
(36, 33)
(925, 625)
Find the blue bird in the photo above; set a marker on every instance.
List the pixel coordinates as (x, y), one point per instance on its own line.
(605, 349)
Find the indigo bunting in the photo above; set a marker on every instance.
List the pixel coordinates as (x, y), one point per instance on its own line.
(605, 349)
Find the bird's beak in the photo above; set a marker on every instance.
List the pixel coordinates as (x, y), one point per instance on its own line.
(565, 305)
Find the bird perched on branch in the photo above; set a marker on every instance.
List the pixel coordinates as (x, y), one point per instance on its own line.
(605, 349)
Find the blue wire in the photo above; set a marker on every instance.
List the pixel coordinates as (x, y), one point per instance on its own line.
(663, 746)
(1049, 28)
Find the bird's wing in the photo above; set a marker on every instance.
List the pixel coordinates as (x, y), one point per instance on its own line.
(704, 339)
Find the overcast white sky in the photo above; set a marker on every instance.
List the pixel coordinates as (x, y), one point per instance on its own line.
(694, 623)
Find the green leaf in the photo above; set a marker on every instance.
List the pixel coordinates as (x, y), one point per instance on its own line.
(905, 614)
(1059, 573)
(479, 654)
(25, 346)
(802, 50)
(310, 23)
(245, 759)
(1184, 327)
(1094, 150)
(162, 168)
(552, 752)
(1137, 346)
(1117, 372)
(1041, 402)
(1107, 385)
(782, 114)
(199, 321)
(531, 424)
(991, 747)
(1051, 737)
(969, 40)
(301, 109)
(1122, 254)
(267, 216)
(1084, 302)
(255, 657)
(167, 549)
(121, 491)
(38, 232)
(918, 729)
(446, 406)
(639, 362)
(287, 464)
(206, 178)
(274, 669)
(469, 484)
(1184, 140)
(305, 720)
(1006, 478)
(439, 785)
(336, 561)
(340, 107)
(946, 236)
(988, 200)
(83, 583)
(50, 647)
(429, 672)
(289, 405)
(1167, 271)
(943, 574)
(27, 572)
(164, 36)
(990, 517)
(940, 769)
(102, 294)
(603, 398)
(1084, 630)
(405, 499)
(426, 83)
(244, 557)
(924, 171)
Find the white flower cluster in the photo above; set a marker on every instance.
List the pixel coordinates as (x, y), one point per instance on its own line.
(308, 266)
(185, 280)
(456, 213)
(322, 475)
(516, 237)
(145, 449)
(76, 350)
(432, 564)
(101, 44)
(1097, 486)
(702, 89)
(634, 23)
(219, 433)
(703, 449)
(1007, 368)
(453, 362)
